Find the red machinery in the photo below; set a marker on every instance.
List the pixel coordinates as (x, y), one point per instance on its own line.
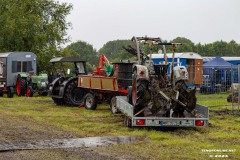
(106, 82)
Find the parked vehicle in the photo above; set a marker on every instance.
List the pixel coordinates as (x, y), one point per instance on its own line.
(17, 74)
(107, 81)
(63, 89)
(156, 98)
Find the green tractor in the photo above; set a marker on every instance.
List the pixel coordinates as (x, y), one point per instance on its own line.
(28, 84)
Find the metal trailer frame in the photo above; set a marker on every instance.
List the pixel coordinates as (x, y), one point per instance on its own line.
(127, 109)
(8, 78)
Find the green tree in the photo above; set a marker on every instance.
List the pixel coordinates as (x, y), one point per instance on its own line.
(83, 50)
(38, 26)
(187, 45)
(113, 49)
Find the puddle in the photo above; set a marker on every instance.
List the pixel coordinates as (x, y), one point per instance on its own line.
(69, 143)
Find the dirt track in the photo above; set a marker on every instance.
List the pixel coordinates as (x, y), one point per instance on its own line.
(24, 129)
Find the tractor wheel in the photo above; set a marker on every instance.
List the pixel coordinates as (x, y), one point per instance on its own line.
(29, 92)
(74, 95)
(10, 92)
(21, 87)
(138, 89)
(58, 101)
(113, 106)
(1, 94)
(90, 101)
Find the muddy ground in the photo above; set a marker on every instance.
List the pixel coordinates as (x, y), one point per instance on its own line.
(13, 129)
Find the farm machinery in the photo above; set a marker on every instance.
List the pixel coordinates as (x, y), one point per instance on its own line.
(63, 89)
(17, 75)
(105, 82)
(28, 83)
(156, 98)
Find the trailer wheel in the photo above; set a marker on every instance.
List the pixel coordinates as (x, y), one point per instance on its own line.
(10, 92)
(21, 87)
(90, 101)
(127, 121)
(58, 101)
(29, 92)
(74, 95)
(113, 106)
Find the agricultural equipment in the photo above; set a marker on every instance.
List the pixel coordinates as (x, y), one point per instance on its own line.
(63, 89)
(17, 73)
(36, 83)
(156, 98)
(107, 81)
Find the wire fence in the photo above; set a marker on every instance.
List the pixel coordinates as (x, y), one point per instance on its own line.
(217, 86)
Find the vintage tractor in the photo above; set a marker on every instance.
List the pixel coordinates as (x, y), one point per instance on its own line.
(29, 83)
(63, 89)
(153, 91)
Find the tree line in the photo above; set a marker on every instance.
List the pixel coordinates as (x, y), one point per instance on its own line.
(41, 27)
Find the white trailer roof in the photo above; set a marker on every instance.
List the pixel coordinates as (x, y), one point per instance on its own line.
(187, 55)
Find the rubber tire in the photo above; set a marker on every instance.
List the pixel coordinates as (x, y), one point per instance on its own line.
(10, 92)
(1, 94)
(138, 88)
(73, 95)
(21, 87)
(58, 101)
(29, 92)
(90, 101)
(113, 106)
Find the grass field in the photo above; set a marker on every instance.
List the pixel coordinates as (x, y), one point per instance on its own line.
(175, 143)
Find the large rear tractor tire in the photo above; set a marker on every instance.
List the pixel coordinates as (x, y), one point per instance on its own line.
(138, 90)
(20, 87)
(74, 95)
(90, 101)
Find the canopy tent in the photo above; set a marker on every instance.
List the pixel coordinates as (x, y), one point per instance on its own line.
(216, 72)
(217, 63)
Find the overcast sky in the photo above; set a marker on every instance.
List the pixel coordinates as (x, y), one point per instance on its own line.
(204, 21)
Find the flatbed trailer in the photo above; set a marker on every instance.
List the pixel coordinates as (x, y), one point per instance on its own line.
(201, 117)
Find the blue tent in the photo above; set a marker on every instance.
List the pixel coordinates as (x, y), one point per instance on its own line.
(216, 72)
(217, 63)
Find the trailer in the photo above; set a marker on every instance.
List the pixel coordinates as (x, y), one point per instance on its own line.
(18, 74)
(156, 98)
(199, 117)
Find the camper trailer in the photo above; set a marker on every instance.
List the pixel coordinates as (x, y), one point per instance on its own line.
(13, 64)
